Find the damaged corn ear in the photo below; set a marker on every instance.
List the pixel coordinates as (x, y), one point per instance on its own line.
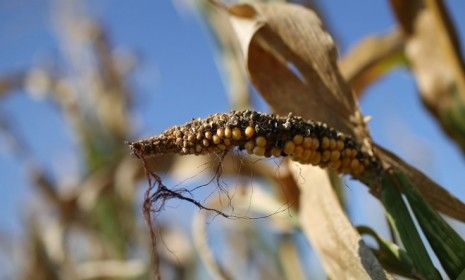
(307, 142)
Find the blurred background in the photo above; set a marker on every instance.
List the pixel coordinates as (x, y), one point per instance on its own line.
(79, 78)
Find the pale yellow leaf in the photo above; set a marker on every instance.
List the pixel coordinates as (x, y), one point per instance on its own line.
(344, 254)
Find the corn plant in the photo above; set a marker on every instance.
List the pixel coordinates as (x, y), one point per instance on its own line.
(292, 62)
(298, 153)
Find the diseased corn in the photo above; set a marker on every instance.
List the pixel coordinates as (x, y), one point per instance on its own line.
(307, 142)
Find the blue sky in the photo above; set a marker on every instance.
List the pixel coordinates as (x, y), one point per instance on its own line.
(178, 79)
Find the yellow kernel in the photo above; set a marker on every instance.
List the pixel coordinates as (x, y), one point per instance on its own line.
(198, 148)
(335, 155)
(199, 136)
(221, 147)
(227, 132)
(298, 151)
(325, 143)
(220, 132)
(178, 141)
(316, 158)
(184, 150)
(227, 142)
(340, 145)
(259, 151)
(216, 139)
(326, 155)
(205, 142)
(260, 141)
(249, 132)
(307, 142)
(306, 154)
(289, 147)
(332, 144)
(354, 164)
(298, 139)
(208, 135)
(335, 165)
(249, 146)
(236, 134)
(276, 152)
(190, 138)
(315, 143)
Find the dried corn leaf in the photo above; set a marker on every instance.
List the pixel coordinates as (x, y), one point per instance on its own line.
(433, 50)
(344, 254)
(371, 59)
(292, 62)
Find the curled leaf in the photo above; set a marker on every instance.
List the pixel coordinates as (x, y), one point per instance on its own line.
(292, 61)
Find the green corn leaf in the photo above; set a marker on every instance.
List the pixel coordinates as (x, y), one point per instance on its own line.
(403, 225)
(446, 243)
(391, 256)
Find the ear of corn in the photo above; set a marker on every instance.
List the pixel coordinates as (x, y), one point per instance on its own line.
(307, 142)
